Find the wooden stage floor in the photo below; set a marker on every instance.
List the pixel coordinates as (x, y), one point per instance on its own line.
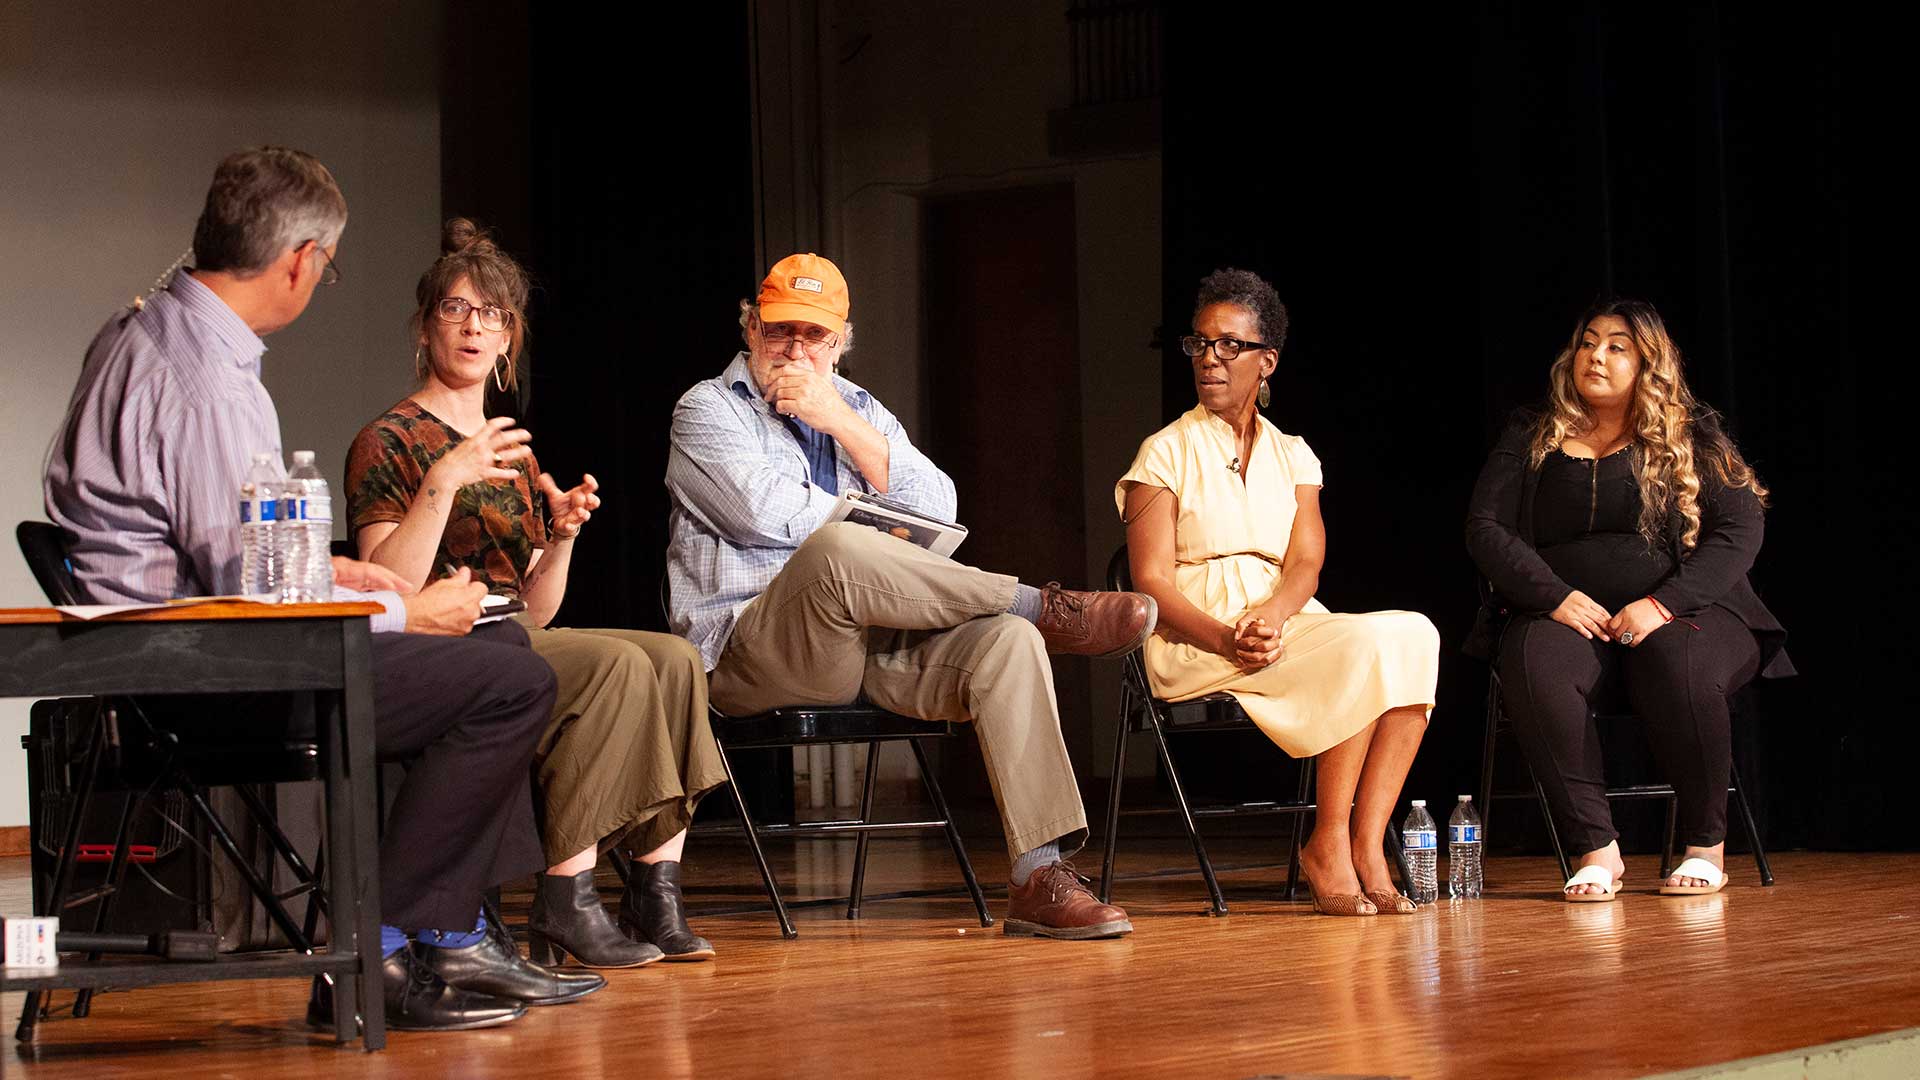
(1518, 984)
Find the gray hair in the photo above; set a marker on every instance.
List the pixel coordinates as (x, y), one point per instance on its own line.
(263, 202)
(749, 309)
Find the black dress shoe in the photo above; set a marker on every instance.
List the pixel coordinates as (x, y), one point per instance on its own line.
(657, 915)
(568, 918)
(494, 967)
(418, 1000)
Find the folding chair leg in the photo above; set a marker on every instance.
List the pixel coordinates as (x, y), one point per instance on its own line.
(860, 844)
(753, 843)
(1753, 829)
(1304, 797)
(116, 880)
(1672, 830)
(622, 864)
(1219, 902)
(939, 798)
(264, 816)
(1397, 855)
(1553, 833)
(63, 864)
(1113, 797)
(260, 889)
(1488, 745)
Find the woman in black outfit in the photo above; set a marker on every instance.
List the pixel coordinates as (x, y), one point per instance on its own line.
(1617, 524)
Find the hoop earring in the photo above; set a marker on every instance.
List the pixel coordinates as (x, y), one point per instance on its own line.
(1266, 396)
(500, 365)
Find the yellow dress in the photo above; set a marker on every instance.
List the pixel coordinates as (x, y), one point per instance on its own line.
(1337, 672)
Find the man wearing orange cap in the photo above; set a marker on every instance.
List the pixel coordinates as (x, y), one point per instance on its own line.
(789, 610)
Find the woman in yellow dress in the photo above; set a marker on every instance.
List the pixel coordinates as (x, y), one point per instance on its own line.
(1222, 511)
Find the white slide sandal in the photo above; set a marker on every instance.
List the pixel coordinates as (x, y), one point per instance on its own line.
(1696, 868)
(1598, 876)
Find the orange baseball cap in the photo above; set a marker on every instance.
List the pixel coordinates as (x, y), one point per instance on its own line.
(805, 288)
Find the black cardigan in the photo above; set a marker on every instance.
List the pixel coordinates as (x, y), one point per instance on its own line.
(1500, 539)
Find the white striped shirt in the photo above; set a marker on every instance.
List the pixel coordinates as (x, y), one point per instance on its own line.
(145, 472)
(744, 499)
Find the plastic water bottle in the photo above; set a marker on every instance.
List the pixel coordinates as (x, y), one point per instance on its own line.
(259, 506)
(1463, 851)
(1421, 840)
(305, 532)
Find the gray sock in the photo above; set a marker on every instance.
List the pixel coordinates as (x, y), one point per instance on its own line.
(1026, 603)
(1044, 855)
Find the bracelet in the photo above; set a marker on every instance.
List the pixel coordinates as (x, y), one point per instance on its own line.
(1665, 615)
(558, 535)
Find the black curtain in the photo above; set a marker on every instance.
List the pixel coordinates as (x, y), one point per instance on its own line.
(616, 161)
(1437, 195)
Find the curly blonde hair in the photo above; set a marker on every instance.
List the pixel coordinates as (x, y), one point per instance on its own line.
(1675, 439)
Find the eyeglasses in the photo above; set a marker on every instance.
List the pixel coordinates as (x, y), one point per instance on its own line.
(780, 338)
(454, 309)
(329, 274)
(1226, 348)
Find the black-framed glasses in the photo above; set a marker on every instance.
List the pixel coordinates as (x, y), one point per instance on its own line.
(1226, 348)
(329, 274)
(780, 338)
(455, 310)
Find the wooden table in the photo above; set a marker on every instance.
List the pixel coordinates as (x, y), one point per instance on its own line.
(236, 647)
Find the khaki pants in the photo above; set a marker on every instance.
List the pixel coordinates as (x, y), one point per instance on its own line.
(628, 753)
(857, 611)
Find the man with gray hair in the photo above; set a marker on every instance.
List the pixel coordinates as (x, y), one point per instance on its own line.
(144, 475)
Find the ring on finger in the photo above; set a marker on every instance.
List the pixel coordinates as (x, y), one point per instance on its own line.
(1626, 637)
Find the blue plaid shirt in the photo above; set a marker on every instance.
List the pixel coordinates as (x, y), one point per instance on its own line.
(744, 497)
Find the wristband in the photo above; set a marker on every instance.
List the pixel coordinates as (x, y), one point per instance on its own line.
(1660, 609)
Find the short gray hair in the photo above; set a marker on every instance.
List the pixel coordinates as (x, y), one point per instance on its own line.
(265, 201)
(749, 309)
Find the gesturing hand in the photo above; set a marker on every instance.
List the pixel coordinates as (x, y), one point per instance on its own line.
(483, 456)
(1256, 643)
(368, 577)
(568, 510)
(1637, 619)
(806, 395)
(447, 607)
(1580, 612)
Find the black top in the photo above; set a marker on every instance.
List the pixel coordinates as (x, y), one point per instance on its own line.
(1586, 523)
(1502, 537)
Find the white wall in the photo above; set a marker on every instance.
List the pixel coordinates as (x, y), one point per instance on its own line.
(112, 118)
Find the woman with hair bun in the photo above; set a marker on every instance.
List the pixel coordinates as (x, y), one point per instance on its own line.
(433, 483)
(1222, 511)
(1616, 525)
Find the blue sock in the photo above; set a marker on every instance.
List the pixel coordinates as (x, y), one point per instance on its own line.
(1026, 602)
(456, 939)
(392, 940)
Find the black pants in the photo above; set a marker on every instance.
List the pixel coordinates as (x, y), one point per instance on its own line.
(465, 715)
(1677, 682)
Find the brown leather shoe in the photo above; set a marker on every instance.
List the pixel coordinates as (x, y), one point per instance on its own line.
(1055, 903)
(1103, 624)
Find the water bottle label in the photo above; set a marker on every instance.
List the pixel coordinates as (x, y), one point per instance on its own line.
(1465, 834)
(1419, 840)
(252, 510)
(294, 510)
(316, 508)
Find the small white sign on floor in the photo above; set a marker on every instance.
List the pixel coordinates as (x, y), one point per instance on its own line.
(30, 942)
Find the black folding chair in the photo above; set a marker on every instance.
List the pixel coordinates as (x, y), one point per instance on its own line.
(825, 725)
(1499, 724)
(120, 737)
(1141, 711)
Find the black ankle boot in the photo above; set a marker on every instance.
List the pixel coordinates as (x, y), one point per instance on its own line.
(567, 918)
(652, 911)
